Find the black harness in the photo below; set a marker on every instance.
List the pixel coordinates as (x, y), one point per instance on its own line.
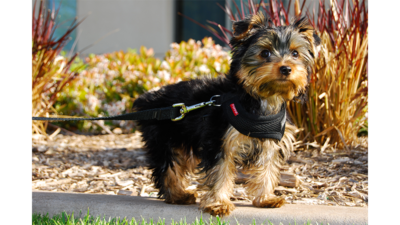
(271, 126)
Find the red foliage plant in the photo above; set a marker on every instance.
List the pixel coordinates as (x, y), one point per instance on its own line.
(50, 73)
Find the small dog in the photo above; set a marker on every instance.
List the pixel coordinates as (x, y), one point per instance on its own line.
(270, 65)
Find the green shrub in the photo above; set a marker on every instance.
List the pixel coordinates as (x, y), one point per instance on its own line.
(111, 82)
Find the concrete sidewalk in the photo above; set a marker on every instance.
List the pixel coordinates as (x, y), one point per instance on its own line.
(138, 207)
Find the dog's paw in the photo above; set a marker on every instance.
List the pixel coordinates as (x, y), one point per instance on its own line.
(271, 202)
(219, 209)
(185, 199)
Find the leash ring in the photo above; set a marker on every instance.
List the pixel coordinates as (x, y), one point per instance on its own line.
(211, 99)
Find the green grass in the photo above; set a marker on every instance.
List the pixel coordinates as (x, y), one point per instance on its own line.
(69, 219)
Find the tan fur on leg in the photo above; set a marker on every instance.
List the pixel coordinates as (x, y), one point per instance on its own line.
(266, 157)
(264, 171)
(265, 177)
(219, 183)
(176, 179)
(270, 202)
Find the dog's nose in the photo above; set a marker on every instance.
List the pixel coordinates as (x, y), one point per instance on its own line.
(285, 70)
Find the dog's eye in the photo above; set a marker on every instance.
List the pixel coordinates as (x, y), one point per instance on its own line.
(265, 54)
(295, 54)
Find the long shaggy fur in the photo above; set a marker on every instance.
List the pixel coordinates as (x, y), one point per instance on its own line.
(205, 140)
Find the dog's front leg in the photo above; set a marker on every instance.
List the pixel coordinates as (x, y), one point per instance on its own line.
(265, 177)
(219, 183)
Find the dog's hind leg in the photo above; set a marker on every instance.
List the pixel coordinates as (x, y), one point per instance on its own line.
(170, 165)
(176, 180)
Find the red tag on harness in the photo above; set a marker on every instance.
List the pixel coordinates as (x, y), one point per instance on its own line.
(235, 112)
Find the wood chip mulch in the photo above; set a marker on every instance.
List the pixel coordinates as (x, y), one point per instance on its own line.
(115, 165)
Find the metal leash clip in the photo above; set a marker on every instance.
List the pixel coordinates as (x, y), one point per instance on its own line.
(184, 110)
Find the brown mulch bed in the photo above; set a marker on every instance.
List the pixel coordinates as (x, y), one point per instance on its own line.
(115, 164)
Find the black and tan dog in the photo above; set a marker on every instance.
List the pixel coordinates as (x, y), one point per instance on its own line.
(270, 65)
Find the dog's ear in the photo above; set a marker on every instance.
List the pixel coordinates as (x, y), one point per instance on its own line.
(244, 28)
(304, 27)
(241, 27)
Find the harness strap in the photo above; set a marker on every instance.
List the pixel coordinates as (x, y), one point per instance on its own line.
(270, 126)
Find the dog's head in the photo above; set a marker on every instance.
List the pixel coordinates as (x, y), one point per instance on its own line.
(273, 61)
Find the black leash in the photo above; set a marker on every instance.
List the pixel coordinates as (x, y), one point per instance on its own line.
(159, 114)
(175, 112)
(270, 126)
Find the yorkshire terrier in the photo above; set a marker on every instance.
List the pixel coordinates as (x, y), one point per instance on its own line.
(270, 65)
